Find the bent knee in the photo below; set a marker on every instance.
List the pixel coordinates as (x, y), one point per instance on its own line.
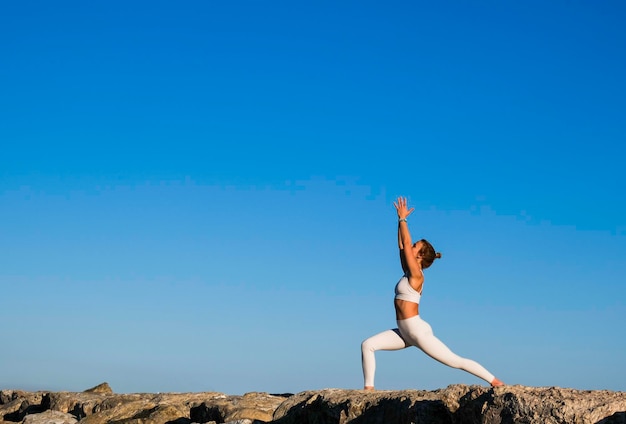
(367, 345)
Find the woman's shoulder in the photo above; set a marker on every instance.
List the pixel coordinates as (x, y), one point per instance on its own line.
(416, 281)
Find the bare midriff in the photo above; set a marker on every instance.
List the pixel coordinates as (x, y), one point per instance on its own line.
(405, 309)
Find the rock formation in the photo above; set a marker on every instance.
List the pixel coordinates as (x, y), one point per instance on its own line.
(457, 404)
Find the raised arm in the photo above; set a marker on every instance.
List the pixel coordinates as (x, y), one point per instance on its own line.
(407, 259)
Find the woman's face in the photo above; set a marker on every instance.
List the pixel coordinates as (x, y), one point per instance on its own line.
(417, 246)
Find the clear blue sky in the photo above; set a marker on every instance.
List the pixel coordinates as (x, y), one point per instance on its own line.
(198, 195)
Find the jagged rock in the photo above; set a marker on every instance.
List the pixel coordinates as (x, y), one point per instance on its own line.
(13, 410)
(98, 408)
(535, 405)
(85, 404)
(457, 404)
(16, 404)
(50, 417)
(7, 396)
(100, 388)
(253, 406)
(359, 406)
(140, 412)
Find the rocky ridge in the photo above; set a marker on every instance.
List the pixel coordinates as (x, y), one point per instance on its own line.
(456, 404)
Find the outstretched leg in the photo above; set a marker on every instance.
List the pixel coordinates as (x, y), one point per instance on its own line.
(420, 334)
(387, 340)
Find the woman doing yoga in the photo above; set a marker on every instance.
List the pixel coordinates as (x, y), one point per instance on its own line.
(412, 330)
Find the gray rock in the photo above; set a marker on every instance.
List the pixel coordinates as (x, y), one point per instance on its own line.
(457, 404)
(50, 417)
(359, 406)
(184, 408)
(253, 406)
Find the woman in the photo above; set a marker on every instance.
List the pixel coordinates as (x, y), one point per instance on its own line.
(412, 330)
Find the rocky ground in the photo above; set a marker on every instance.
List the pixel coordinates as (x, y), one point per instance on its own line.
(457, 404)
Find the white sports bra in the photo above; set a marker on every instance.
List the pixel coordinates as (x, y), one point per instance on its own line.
(404, 291)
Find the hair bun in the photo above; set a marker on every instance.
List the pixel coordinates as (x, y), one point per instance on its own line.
(438, 255)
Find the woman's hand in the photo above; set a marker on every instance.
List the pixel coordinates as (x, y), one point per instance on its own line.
(408, 260)
(402, 208)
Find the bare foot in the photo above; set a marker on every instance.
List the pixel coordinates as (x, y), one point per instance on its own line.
(496, 383)
(368, 388)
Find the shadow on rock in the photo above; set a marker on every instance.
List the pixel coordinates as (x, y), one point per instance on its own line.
(341, 408)
(204, 413)
(616, 418)
(28, 408)
(405, 412)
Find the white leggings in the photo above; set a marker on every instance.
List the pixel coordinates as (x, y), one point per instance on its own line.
(416, 332)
